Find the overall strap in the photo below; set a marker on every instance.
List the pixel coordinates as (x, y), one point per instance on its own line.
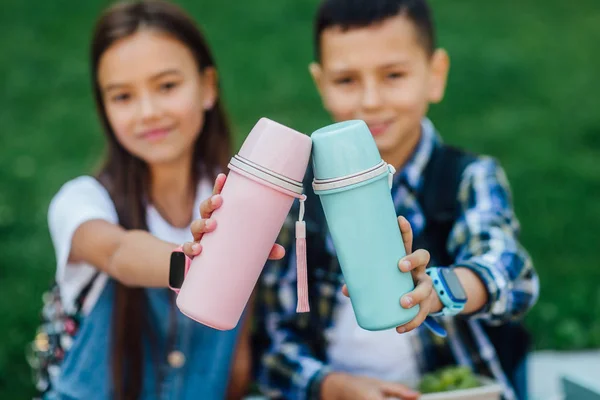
(438, 198)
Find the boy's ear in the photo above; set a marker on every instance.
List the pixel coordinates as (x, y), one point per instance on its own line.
(209, 87)
(317, 73)
(440, 65)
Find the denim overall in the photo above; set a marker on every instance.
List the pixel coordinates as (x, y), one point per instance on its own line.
(202, 372)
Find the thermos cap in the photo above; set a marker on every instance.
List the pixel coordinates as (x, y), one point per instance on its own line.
(277, 148)
(342, 149)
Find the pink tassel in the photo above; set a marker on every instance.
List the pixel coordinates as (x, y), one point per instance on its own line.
(301, 267)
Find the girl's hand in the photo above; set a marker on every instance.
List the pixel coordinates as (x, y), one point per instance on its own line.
(204, 225)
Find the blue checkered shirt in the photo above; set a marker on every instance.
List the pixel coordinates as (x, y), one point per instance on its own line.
(484, 238)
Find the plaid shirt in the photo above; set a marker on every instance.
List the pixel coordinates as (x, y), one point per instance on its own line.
(484, 239)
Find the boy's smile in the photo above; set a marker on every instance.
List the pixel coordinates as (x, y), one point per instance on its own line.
(383, 75)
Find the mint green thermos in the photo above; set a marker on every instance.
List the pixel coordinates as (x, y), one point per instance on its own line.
(354, 187)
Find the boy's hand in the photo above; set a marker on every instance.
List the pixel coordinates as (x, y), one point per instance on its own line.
(423, 294)
(204, 225)
(339, 386)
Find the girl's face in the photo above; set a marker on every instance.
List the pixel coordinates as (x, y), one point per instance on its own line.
(155, 95)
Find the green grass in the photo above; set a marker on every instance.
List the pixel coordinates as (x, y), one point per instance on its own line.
(523, 87)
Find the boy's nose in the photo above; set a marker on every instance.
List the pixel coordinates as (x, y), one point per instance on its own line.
(371, 98)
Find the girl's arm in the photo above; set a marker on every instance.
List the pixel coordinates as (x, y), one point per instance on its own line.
(134, 257)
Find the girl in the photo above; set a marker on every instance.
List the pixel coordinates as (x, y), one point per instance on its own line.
(116, 332)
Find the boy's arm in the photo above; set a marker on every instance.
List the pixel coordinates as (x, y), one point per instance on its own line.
(484, 240)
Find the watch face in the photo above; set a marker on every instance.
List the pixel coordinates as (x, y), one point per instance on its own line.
(177, 270)
(454, 286)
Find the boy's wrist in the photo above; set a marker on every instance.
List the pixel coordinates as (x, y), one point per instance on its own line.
(475, 287)
(437, 304)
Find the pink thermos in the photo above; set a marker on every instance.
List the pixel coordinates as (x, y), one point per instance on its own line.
(264, 179)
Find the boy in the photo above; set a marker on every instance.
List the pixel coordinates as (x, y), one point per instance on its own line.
(377, 60)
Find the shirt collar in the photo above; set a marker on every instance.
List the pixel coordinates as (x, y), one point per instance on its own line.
(412, 172)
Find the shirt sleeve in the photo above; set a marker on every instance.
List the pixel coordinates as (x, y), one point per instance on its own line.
(288, 368)
(485, 240)
(79, 200)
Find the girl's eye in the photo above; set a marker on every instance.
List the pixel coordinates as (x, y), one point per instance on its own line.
(167, 86)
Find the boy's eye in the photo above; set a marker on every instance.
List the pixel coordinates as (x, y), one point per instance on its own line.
(343, 81)
(121, 97)
(395, 75)
(167, 86)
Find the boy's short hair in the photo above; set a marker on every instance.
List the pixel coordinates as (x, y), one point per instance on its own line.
(348, 14)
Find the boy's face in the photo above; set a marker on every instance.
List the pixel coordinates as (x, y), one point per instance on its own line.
(383, 75)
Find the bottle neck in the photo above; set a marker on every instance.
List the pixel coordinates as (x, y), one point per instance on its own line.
(378, 170)
(240, 164)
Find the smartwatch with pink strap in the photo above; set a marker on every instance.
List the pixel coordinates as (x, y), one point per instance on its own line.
(178, 269)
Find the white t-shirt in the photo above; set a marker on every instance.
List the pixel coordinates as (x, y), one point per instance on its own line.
(83, 199)
(384, 355)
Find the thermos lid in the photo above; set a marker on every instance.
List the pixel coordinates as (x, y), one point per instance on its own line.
(277, 148)
(342, 149)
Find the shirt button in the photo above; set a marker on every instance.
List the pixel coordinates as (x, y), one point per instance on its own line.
(176, 359)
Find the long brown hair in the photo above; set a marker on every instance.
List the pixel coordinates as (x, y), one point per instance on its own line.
(126, 176)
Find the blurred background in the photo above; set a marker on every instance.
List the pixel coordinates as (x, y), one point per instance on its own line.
(523, 87)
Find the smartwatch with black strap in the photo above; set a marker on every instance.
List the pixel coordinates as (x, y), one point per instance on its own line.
(178, 267)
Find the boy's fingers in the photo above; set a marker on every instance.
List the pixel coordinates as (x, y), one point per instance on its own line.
(419, 294)
(399, 391)
(415, 261)
(416, 322)
(208, 206)
(345, 291)
(407, 234)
